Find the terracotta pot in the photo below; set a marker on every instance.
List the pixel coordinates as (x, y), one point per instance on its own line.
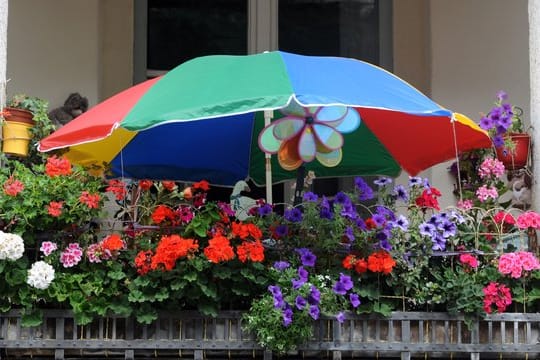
(16, 131)
(519, 157)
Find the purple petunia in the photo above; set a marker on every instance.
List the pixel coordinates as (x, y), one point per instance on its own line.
(343, 285)
(383, 181)
(281, 265)
(287, 317)
(400, 193)
(307, 257)
(314, 312)
(281, 230)
(365, 192)
(311, 197)
(300, 302)
(314, 296)
(265, 210)
(354, 299)
(340, 317)
(293, 215)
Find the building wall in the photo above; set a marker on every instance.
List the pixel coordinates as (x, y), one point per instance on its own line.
(53, 49)
(459, 52)
(478, 47)
(56, 47)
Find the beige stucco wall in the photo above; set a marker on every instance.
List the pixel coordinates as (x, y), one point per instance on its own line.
(459, 52)
(478, 47)
(56, 47)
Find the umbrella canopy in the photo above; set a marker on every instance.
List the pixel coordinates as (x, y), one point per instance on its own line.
(202, 120)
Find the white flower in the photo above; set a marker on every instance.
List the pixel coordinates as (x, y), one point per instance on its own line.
(11, 246)
(40, 275)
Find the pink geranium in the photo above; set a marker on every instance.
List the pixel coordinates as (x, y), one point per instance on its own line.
(71, 256)
(529, 219)
(514, 264)
(498, 295)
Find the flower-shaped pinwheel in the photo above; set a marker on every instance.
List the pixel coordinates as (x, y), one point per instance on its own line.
(308, 133)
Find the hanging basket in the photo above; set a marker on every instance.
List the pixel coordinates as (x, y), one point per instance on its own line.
(518, 158)
(16, 134)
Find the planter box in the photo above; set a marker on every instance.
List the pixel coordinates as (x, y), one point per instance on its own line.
(187, 334)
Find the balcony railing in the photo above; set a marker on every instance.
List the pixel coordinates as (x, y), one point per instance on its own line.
(185, 334)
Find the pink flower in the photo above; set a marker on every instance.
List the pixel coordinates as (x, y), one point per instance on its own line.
(71, 256)
(465, 204)
(529, 219)
(47, 247)
(498, 295)
(469, 260)
(484, 193)
(491, 167)
(514, 264)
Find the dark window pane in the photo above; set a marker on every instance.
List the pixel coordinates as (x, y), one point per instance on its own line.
(347, 28)
(181, 30)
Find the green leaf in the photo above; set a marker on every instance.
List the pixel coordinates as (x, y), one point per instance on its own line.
(33, 318)
(208, 309)
(116, 275)
(178, 284)
(136, 296)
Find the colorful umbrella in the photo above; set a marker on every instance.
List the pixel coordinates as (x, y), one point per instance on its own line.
(205, 119)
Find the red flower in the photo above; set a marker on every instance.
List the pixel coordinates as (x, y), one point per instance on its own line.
(201, 185)
(170, 249)
(13, 187)
(113, 242)
(143, 262)
(162, 213)
(90, 200)
(118, 188)
(145, 184)
(219, 249)
(380, 261)
(250, 250)
(169, 185)
(57, 166)
(370, 224)
(349, 261)
(428, 199)
(361, 266)
(55, 208)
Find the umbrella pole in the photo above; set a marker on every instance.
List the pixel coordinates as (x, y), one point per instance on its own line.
(299, 189)
(268, 115)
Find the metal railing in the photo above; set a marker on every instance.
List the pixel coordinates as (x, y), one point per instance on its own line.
(186, 334)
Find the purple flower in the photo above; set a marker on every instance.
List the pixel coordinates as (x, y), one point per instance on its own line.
(274, 289)
(349, 233)
(281, 230)
(342, 198)
(486, 123)
(415, 181)
(365, 192)
(378, 219)
(278, 301)
(307, 257)
(265, 210)
(354, 299)
(293, 215)
(311, 197)
(427, 229)
(287, 317)
(384, 244)
(361, 224)
(400, 193)
(448, 229)
(302, 278)
(326, 213)
(383, 181)
(439, 243)
(281, 265)
(314, 296)
(343, 285)
(302, 273)
(340, 317)
(401, 223)
(314, 312)
(300, 302)
(297, 283)
(349, 211)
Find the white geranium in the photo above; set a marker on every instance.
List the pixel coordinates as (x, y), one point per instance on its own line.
(11, 246)
(40, 275)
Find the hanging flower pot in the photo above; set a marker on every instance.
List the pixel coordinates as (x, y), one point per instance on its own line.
(519, 156)
(16, 131)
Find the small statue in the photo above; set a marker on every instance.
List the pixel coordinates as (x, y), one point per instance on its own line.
(74, 106)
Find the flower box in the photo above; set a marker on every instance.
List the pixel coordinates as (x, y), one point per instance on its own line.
(186, 334)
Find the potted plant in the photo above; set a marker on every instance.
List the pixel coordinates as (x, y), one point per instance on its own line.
(25, 123)
(504, 124)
